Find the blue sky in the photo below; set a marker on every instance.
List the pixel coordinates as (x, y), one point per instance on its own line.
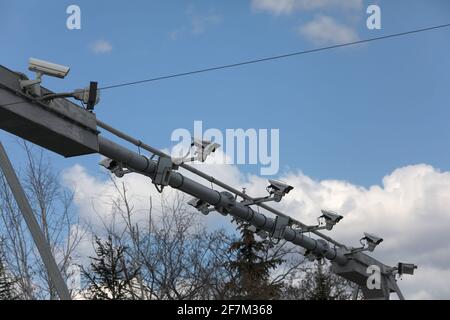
(359, 114)
(353, 114)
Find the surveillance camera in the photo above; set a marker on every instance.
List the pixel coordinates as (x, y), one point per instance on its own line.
(48, 68)
(195, 202)
(278, 189)
(200, 205)
(331, 218)
(260, 233)
(406, 268)
(108, 163)
(280, 186)
(113, 166)
(200, 143)
(372, 240)
(204, 148)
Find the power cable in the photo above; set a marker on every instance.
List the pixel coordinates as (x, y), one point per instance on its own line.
(271, 58)
(283, 56)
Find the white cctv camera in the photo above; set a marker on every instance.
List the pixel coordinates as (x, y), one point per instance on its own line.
(114, 166)
(47, 68)
(327, 220)
(200, 205)
(278, 189)
(41, 68)
(372, 241)
(204, 148)
(107, 163)
(331, 218)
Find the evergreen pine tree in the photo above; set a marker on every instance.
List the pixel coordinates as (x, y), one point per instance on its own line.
(320, 283)
(252, 267)
(6, 283)
(110, 277)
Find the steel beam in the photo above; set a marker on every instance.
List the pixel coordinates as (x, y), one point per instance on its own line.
(57, 125)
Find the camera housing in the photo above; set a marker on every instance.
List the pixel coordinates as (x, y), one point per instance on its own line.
(372, 241)
(200, 205)
(41, 67)
(278, 189)
(115, 167)
(48, 68)
(331, 218)
(203, 148)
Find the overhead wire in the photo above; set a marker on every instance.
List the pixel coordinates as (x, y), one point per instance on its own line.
(266, 59)
(277, 57)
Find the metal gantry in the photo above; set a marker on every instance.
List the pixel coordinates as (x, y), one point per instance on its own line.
(61, 126)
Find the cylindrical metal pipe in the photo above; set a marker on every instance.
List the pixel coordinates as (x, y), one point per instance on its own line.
(209, 178)
(217, 199)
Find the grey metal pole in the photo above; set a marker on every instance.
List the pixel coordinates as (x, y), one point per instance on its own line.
(145, 166)
(355, 293)
(36, 232)
(397, 288)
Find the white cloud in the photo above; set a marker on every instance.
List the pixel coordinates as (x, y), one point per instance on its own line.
(199, 23)
(427, 283)
(101, 47)
(279, 7)
(325, 30)
(95, 197)
(410, 210)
